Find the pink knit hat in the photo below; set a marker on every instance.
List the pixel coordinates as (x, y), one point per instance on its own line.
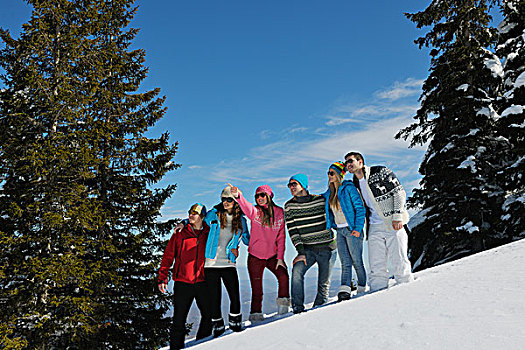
(265, 189)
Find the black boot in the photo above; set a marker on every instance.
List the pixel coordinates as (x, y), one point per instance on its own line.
(235, 322)
(218, 327)
(341, 296)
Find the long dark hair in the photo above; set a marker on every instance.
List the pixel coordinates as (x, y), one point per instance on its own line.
(268, 214)
(237, 215)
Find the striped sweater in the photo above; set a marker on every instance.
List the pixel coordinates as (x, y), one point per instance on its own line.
(306, 222)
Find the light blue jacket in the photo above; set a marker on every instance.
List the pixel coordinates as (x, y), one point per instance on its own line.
(212, 219)
(351, 205)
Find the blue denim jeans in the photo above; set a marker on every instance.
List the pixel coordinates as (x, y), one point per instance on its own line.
(325, 260)
(350, 249)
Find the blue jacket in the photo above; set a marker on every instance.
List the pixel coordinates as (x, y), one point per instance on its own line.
(212, 219)
(351, 205)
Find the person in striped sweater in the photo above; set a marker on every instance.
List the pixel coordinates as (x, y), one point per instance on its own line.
(305, 216)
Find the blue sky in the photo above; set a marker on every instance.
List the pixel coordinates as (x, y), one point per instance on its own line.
(259, 91)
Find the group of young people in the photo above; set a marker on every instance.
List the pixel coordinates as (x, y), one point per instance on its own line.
(203, 250)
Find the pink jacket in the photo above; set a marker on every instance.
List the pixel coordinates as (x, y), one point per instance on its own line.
(265, 241)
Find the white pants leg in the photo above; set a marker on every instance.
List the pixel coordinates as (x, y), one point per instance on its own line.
(377, 257)
(387, 245)
(396, 243)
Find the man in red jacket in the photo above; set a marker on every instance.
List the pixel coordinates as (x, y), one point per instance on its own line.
(187, 248)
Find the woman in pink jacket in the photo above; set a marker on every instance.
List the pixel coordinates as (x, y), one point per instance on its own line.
(266, 248)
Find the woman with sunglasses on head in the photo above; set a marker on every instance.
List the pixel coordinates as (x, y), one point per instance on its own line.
(266, 248)
(227, 227)
(347, 216)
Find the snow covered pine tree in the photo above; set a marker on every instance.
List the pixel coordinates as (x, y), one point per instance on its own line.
(78, 217)
(511, 125)
(458, 192)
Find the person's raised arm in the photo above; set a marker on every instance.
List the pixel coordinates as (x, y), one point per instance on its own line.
(247, 208)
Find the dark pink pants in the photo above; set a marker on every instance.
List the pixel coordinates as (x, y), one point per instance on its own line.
(256, 269)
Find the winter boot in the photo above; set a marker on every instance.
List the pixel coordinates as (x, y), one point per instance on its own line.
(362, 289)
(235, 322)
(344, 293)
(256, 317)
(218, 327)
(283, 305)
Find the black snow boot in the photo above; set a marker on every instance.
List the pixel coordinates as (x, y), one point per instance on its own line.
(235, 322)
(218, 327)
(341, 296)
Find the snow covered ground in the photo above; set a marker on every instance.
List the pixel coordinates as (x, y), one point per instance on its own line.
(474, 303)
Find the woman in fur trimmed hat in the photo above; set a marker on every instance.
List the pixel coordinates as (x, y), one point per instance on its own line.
(266, 248)
(347, 216)
(227, 227)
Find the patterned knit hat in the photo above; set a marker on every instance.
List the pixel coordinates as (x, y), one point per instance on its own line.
(339, 168)
(199, 209)
(265, 189)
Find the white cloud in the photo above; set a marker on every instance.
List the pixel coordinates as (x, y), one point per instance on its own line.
(264, 134)
(297, 129)
(371, 131)
(275, 162)
(409, 87)
(390, 103)
(376, 111)
(335, 121)
(169, 212)
(310, 148)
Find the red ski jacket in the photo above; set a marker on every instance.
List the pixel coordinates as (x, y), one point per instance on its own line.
(187, 248)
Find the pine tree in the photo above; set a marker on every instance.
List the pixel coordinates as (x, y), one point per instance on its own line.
(511, 125)
(458, 192)
(79, 207)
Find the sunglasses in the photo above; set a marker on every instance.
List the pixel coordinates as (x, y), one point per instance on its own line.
(331, 173)
(260, 195)
(193, 212)
(293, 184)
(349, 161)
(227, 199)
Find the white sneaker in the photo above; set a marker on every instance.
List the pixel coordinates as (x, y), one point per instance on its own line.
(362, 289)
(256, 317)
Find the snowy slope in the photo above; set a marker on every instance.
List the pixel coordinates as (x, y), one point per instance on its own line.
(474, 303)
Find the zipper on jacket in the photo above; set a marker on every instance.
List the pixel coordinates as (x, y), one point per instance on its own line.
(196, 259)
(179, 258)
(196, 255)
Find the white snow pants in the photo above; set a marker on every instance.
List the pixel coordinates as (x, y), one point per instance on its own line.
(387, 245)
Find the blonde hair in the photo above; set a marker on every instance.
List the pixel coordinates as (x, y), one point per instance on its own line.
(334, 187)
